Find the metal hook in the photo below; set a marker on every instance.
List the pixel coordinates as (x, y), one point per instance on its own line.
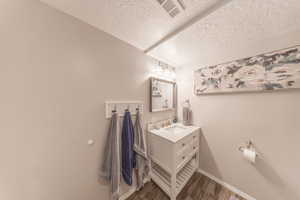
(241, 149)
(115, 108)
(128, 107)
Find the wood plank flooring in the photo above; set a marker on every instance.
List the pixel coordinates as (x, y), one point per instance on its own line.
(199, 187)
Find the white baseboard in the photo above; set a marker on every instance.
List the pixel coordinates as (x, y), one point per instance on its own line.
(127, 194)
(131, 191)
(228, 186)
(224, 184)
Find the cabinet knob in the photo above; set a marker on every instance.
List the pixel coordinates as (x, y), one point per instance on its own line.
(183, 157)
(194, 147)
(183, 144)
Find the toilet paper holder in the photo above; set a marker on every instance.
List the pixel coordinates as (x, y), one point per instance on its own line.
(249, 145)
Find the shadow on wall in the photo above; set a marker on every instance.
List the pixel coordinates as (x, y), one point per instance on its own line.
(207, 161)
(209, 165)
(272, 176)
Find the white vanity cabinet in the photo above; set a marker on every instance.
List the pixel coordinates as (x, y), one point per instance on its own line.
(174, 153)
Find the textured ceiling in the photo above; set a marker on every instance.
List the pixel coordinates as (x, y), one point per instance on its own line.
(235, 27)
(142, 23)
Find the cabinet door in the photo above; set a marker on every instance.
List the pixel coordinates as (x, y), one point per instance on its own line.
(161, 152)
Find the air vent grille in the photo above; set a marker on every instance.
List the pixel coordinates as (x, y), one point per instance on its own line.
(170, 7)
(160, 1)
(181, 3)
(174, 12)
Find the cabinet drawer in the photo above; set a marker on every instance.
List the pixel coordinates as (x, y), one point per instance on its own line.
(182, 144)
(182, 156)
(194, 145)
(195, 135)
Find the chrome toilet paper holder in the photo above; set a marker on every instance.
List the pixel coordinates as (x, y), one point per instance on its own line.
(249, 145)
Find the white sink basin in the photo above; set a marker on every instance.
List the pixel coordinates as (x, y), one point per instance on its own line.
(174, 132)
(175, 129)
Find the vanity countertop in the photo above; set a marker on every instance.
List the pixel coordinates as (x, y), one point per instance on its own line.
(175, 132)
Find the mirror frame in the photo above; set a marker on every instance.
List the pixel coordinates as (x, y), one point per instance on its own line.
(174, 94)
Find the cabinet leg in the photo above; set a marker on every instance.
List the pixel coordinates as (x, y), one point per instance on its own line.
(173, 186)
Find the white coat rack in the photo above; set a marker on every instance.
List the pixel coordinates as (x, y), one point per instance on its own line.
(121, 106)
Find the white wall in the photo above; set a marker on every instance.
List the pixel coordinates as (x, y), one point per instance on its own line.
(228, 120)
(56, 73)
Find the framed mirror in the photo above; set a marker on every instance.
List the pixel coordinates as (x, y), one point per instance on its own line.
(162, 95)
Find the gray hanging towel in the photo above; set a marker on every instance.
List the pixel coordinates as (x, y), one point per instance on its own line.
(140, 147)
(111, 169)
(128, 155)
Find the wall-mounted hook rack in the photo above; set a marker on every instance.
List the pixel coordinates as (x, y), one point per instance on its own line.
(121, 106)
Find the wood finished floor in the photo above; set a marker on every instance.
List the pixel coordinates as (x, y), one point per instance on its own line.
(199, 187)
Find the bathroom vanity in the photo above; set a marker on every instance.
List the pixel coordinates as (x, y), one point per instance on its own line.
(174, 153)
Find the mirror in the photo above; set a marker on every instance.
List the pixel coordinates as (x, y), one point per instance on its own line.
(162, 95)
